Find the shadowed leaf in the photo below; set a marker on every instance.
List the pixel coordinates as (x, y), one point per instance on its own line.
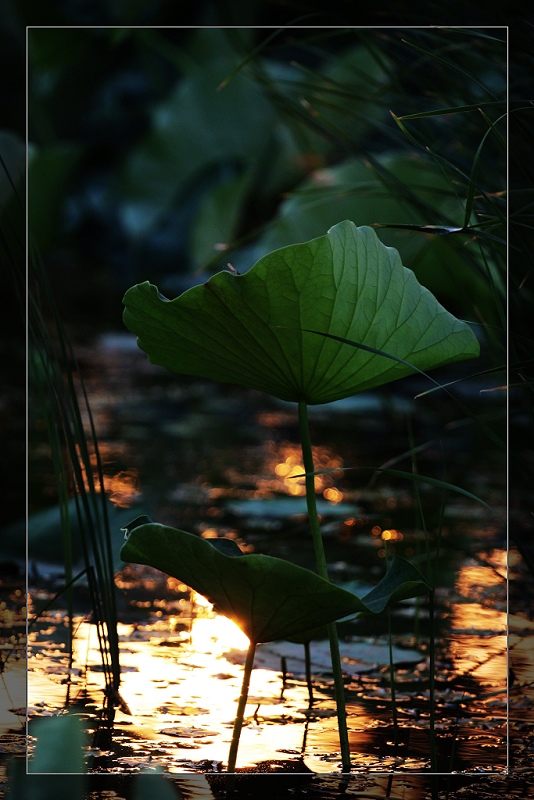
(268, 598)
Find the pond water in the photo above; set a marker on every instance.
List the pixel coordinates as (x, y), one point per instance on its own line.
(222, 462)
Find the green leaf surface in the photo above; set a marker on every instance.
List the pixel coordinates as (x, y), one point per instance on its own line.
(254, 329)
(269, 598)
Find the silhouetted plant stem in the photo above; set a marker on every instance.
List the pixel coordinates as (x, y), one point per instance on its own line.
(340, 697)
(392, 667)
(307, 662)
(392, 683)
(311, 503)
(238, 724)
(432, 668)
(320, 558)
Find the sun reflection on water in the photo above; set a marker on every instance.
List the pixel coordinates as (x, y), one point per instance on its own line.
(479, 645)
(218, 632)
(180, 685)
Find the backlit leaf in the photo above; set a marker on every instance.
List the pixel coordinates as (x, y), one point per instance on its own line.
(253, 329)
(269, 598)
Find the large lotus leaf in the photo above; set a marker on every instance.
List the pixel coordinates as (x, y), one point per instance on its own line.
(255, 329)
(269, 598)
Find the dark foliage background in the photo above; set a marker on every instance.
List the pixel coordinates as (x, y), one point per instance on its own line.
(100, 109)
(91, 106)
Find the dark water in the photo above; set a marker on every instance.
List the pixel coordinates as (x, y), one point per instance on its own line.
(220, 462)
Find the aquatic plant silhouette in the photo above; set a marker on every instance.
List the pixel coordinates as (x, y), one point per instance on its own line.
(262, 330)
(268, 598)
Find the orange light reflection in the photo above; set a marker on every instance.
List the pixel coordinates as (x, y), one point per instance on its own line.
(392, 535)
(479, 642)
(185, 694)
(122, 486)
(284, 463)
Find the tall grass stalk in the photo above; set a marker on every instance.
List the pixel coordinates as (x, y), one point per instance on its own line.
(66, 533)
(394, 714)
(430, 578)
(53, 373)
(392, 687)
(432, 670)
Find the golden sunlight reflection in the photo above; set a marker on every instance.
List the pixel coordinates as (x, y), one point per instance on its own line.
(478, 645)
(219, 632)
(180, 685)
(476, 578)
(122, 486)
(214, 629)
(392, 535)
(284, 463)
(199, 600)
(183, 695)
(500, 560)
(333, 495)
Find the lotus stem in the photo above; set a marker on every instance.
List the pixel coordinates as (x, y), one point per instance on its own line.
(307, 662)
(322, 570)
(238, 724)
(340, 697)
(311, 503)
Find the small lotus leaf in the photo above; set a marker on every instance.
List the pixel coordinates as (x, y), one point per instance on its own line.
(256, 329)
(269, 598)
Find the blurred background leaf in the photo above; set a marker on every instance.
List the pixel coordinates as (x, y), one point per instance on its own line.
(95, 93)
(162, 153)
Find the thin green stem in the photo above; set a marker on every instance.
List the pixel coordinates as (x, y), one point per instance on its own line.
(392, 684)
(392, 666)
(340, 697)
(238, 724)
(320, 558)
(307, 662)
(432, 668)
(311, 502)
